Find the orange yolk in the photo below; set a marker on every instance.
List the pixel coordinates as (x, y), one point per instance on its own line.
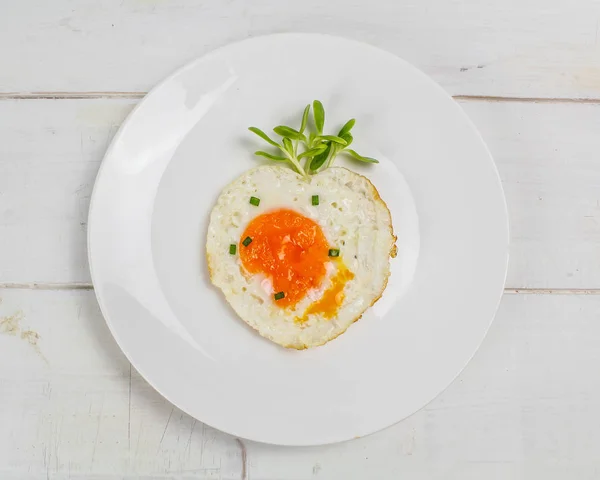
(332, 298)
(288, 248)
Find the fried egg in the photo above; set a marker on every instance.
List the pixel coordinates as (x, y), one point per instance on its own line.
(300, 260)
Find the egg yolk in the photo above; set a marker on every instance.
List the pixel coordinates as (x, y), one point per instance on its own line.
(288, 248)
(329, 304)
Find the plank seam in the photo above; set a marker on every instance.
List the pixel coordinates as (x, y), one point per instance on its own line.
(139, 95)
(45, 286)
(552, 291)
(488, 98)
(71, 95)
(89, 286)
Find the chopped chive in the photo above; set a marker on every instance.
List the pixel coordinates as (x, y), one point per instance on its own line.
(334, 252)
(255, 201)
(247, 241)
(279, 296)
(315, 199)
(232, 249)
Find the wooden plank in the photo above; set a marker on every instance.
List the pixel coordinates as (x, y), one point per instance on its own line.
(525, 407)
(50, 153)
(530, 48)
(72, 407)
(547, 155)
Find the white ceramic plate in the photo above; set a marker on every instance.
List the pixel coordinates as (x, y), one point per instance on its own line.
(187, 140)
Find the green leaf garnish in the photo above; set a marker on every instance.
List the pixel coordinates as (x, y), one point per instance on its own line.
(270, 156)
(313, 151)
(287, 144)
(319, 116)
(348, 137)
(347, 127)
(360, 158)
(319, 160)
(289, 132)
(334, 139)
(247, 241)
(263, 135)
(315, 200)
(334, 252)
(255, 201)
(305, 118)
(279, 295)
(316, 149)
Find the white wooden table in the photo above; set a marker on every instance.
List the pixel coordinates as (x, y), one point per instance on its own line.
(526, 71)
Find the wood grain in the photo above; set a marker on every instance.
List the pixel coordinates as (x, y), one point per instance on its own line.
(525, 407)
(511, 48)
(73, 407)
(547, 156)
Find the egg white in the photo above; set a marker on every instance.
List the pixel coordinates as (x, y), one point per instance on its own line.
(353, 218)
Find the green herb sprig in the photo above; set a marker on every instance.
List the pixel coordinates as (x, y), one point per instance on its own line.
(310, 152)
